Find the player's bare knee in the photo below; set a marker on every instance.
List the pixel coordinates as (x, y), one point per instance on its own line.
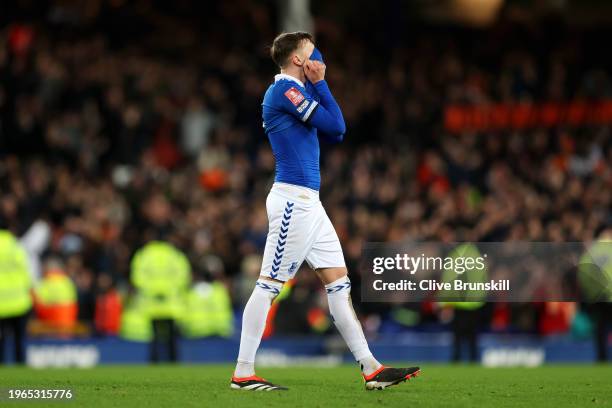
(329, 275)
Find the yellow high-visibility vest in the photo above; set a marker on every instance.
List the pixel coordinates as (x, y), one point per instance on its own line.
(56, 289)
(135, 323)
(473, 299)
(208, 311)
(15, 280)
(595, 272)
(161, 275)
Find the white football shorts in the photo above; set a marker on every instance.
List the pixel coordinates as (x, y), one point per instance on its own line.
(298, 229)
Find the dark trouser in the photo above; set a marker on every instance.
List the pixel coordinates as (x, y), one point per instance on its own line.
(465, 331)
(164, 344)
(603, 323)
(15, 326)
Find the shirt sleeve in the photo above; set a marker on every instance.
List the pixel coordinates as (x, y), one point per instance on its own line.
(324, 114)
(312, 91)
(328, 117)
(296, 101)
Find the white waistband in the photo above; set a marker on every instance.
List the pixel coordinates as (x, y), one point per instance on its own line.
(302, 192)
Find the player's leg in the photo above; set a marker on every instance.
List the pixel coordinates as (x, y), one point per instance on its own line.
(338, 288)
(326, 258)
(253, 326)
(254, 323)
(286, 245)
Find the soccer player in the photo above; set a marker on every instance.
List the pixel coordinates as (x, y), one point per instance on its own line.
(298, 108)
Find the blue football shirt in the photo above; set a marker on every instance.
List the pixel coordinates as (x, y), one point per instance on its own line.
(292, 117)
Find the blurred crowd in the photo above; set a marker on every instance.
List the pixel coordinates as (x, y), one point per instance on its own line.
(120, 125)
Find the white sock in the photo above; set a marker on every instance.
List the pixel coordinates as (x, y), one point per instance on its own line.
(254, 324)
(343, 315)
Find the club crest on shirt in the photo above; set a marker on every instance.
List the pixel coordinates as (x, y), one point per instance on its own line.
(294, 95)
(292, 268)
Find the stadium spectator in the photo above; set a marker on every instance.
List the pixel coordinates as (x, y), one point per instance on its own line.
(55, 299)
(109, 305)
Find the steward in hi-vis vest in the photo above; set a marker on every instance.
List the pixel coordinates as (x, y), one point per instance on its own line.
(15, 296)
(161, 275)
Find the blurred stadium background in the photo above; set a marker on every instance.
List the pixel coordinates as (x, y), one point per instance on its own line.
(124, 122)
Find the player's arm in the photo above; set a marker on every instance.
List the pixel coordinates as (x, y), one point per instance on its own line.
(327, 117)
(297, 102)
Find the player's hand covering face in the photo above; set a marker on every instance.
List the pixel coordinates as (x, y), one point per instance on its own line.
(314, 56)
(314, 71)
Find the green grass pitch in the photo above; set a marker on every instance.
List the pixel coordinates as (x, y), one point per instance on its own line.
(208, 386)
